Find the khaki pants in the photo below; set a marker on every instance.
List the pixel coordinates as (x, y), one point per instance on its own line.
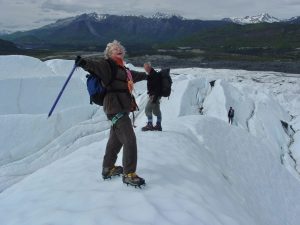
(122, 135)
(153, 109)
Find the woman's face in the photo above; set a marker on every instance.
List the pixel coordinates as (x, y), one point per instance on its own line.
(147, 68)
(117, 52)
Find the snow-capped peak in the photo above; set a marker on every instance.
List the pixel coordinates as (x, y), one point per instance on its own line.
(92, 16)
(160, 15)
(261, 18)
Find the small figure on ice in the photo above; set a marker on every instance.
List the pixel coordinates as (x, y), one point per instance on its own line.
(230, 115)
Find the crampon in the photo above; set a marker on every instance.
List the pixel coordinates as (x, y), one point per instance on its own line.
(134, 180)
(108, 173)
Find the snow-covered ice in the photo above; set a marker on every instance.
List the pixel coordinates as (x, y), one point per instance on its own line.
(198, 170)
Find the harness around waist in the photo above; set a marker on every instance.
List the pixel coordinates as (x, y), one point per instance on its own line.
(118, 116)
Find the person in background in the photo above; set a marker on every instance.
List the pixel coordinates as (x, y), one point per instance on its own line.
(117, 105)
(153, 104)
(201, 110)
(230, 115)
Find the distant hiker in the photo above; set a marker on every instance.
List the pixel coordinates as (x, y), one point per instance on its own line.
(230, 115)
(153, 104)
(117, 104)
(201, 110)
(212, 83)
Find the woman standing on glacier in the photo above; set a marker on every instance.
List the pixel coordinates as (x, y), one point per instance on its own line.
(117, 105)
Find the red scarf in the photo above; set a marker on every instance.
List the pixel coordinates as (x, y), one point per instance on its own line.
(119, 62)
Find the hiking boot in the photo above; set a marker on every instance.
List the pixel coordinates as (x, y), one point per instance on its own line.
(157, 127)
(149, 126)
(107, 173)
(133, 180)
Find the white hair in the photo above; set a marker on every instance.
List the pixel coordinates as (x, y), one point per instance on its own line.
(110, 45)
(147, 63)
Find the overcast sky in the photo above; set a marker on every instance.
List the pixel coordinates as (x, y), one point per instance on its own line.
(24, 15)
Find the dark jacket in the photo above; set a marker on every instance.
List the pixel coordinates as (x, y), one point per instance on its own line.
(154, 83)
(231, 113)
(114, 102)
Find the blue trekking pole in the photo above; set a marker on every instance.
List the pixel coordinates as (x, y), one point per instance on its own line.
(62, 90)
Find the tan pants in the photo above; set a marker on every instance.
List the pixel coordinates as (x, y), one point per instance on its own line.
(153, 109)
(122, 135)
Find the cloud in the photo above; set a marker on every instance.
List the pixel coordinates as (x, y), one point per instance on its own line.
(136, 7)
(292, 2)
(57, 6)
(205, 9)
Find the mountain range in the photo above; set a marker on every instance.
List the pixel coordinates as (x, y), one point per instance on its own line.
(7, 46)
(92, 31)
